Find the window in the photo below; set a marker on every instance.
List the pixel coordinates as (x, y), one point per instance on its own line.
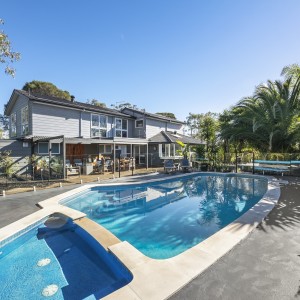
(98, 126)
(24, 120)
(105, 149)
(139, 123)
(121, 128)
(55, 148)
(43, 148)
(13, 124)
(167, 150)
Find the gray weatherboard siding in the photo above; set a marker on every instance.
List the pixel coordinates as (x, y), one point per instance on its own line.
(48, 120)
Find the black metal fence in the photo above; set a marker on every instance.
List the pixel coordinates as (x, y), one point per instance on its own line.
(43, 168)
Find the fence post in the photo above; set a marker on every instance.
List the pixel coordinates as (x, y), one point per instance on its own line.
(252, 162)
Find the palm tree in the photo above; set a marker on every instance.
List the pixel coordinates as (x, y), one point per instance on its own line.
(292, 70)
(269, 119)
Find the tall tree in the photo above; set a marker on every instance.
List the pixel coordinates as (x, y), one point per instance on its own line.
(46, 89)
(7, 55)
(193, 122)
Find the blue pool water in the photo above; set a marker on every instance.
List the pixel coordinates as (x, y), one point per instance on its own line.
(66, 257)
(165, 219)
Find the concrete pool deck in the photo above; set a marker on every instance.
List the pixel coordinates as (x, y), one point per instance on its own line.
(171, 271)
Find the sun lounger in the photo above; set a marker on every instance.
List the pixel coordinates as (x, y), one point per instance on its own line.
(185, 165)
(169, 166)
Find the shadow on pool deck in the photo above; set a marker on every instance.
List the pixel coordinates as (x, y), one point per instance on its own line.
(266, 265)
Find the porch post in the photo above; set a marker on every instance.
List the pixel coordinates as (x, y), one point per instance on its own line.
(114, 158)
(147, 156)
(64, 158)
(50, 154)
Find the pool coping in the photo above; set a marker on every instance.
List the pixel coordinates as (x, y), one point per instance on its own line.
(159, 279)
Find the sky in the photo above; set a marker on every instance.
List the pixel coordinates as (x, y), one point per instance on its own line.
(174, 56)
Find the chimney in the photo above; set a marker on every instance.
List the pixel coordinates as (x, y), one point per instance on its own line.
(72, 98)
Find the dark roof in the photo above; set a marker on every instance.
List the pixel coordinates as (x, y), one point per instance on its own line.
(171, 137)
(153, 116)
(67, 103)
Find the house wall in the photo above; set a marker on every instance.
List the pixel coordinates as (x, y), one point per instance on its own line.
(18, 153)
(175, 127)
(50, 120)
(154, 127)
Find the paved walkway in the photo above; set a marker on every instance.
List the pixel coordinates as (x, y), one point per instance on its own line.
(266, 265)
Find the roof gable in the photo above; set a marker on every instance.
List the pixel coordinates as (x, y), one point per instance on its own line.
(172, 137)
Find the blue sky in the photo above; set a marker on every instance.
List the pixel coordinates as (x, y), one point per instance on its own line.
(176, 56)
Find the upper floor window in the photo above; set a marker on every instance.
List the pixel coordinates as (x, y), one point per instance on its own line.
(24, 120)
(98, 126)
(121, 128)
(139, 123)
(13, 124)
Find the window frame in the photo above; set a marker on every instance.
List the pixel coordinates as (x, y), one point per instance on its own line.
(58, 148)
(99, 128)
(43, 153)
(167, 150)
(105, 146)
(13, 125)
(121, 129)
(139, 120)
(25, 121)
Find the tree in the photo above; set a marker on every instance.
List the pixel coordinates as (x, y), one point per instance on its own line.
(7, 163)
(46, 89)
(208, 128)
(7, 55)
(193, 122)
(4, 126)
(268, 120)
(96, 103)
(123, 105)
(292, 70)
(167, 114)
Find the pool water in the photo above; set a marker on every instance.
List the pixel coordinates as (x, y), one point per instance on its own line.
(165, 219)
(58, 263)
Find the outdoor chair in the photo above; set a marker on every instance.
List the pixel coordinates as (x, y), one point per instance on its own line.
(185, 165)
(78, 162)
(108, 165)
(68, 163)
(169, 166)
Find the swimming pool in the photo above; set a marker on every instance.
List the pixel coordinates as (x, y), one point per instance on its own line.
(59, 260)
(163, 219)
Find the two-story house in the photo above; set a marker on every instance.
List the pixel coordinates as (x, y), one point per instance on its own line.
(74, 130)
